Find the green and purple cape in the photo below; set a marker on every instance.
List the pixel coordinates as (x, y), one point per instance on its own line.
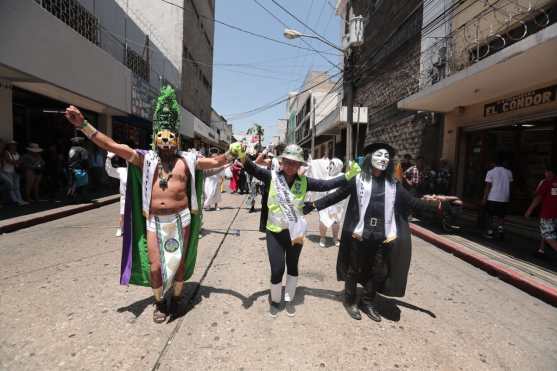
(135, 260)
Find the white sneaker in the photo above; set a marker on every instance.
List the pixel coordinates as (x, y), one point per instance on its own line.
(119, 232)
(274, 309)
(337, 243)
(218, 208)
(322, 242)
(290, 309)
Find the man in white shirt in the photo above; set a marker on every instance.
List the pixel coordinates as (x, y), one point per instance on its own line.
(496, 196)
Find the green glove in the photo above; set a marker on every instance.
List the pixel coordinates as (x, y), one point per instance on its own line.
(238, 151)
(353, 170)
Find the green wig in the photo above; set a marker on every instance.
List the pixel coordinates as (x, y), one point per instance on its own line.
(167, 112)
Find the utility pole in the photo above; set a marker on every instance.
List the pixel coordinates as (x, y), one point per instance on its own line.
(312, 121)
(349, 94)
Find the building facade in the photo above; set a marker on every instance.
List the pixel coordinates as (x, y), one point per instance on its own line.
(491, 72)
(319, 100)
(109, 58)
(384, 70)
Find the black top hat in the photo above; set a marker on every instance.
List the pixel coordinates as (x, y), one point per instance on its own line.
(379, 145)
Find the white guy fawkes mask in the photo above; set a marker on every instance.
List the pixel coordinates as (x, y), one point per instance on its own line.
(380, 159)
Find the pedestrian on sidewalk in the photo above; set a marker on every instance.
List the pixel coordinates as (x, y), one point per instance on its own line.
(286, 225)
(117, 168)
(375, 247)
(33, 166)
(158, 249)
(78, 170)
(11, 162)
(496, 197)
(546, 196)
(415, 177)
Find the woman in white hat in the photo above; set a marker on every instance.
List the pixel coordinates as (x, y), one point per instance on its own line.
(10, 163)
(285, 224)
(33, 165)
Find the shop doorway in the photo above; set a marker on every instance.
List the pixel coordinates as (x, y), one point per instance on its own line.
(525, 149)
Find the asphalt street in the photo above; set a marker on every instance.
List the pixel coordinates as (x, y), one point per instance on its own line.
(61, 307)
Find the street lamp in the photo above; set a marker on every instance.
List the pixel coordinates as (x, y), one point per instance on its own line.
(291, 34)
(354, 38)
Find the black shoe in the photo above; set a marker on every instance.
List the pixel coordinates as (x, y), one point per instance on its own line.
(174, 306)
(252, 210)
(353, 311)
(371, 311)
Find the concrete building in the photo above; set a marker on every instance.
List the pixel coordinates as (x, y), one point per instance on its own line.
(307, 113)
(223, 130)
(197, 70)
(491, 72)
(385, 71)
(109, 58)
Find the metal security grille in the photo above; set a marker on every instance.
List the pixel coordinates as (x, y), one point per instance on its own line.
(137, 64)
(74, 15)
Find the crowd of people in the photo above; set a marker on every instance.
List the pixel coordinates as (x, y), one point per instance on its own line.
(30, 174)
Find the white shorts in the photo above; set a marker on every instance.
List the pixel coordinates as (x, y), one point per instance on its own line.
(184, 215)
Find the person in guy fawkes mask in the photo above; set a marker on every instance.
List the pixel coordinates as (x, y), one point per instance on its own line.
(375, 247)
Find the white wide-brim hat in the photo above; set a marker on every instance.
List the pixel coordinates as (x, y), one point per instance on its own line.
(34, 147)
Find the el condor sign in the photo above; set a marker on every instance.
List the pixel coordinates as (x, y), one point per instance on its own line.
(525, 100)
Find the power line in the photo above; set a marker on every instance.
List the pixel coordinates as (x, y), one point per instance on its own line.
(254, 34)
(302, 23)
(276, 102)
(303, 40)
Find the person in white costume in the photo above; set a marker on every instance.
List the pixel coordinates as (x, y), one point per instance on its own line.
(120, 173)
(331, 217)
(213, 179)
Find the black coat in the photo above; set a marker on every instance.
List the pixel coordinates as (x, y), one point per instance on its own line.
(399, 252)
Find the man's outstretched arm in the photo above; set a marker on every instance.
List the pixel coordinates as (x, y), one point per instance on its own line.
(75, 117)
(212, 162)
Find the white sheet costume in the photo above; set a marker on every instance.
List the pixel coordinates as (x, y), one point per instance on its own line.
(212, 187)
(335, 213)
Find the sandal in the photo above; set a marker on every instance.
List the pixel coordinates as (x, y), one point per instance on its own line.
(160, 312)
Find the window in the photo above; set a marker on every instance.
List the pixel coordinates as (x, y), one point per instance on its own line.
(137, 64)
(74, 15)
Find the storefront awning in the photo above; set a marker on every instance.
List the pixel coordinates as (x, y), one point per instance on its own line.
(527, 63)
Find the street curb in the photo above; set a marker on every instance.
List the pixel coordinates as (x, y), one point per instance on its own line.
(34, 219)
(521, 281)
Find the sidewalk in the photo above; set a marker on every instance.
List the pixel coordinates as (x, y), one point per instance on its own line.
(27, 216)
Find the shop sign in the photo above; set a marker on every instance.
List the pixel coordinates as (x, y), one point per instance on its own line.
(521, 101)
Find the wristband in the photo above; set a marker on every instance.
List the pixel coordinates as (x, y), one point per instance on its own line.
(88, 129)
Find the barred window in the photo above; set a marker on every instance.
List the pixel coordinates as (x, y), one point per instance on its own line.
(74, 15)
(137, 64)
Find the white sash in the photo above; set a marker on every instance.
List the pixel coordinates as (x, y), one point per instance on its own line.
(363, 189)
(297, 225)
(171, 247)
(150, 162)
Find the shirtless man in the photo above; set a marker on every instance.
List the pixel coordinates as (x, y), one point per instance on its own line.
(166, 172)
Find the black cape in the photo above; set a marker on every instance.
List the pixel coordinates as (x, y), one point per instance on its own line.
(399, 252)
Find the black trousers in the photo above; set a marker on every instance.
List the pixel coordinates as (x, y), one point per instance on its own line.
(367, 265)
(281, 251)
(264, 209)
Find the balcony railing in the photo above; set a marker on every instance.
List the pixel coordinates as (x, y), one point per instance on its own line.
(479, 30)
(74, 15)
